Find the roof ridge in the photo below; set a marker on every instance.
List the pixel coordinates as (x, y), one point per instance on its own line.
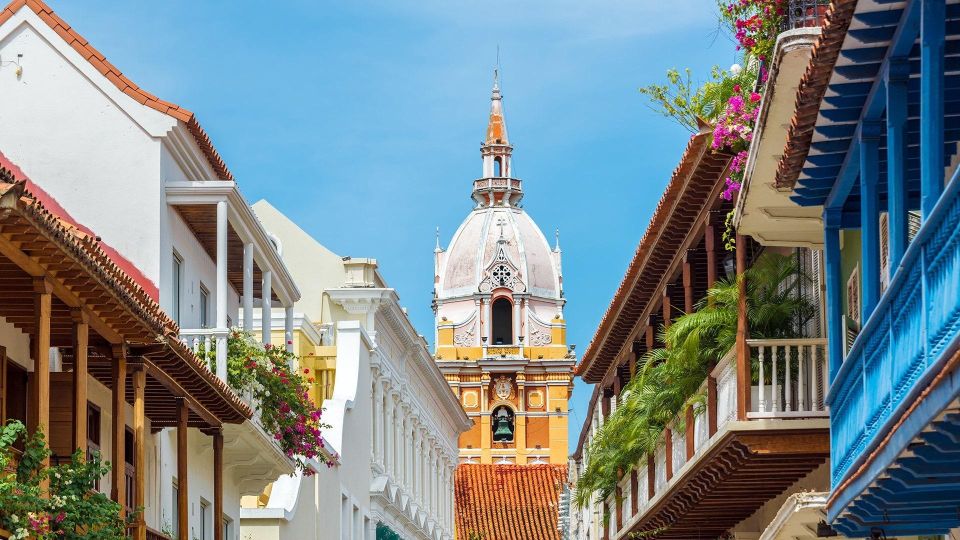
(125, 85)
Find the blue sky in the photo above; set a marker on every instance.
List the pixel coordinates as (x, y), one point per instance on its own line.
(362, 120)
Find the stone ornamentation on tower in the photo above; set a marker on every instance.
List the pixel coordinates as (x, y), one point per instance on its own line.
(498, 301)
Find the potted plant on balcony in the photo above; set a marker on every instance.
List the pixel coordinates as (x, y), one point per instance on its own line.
(60, 502)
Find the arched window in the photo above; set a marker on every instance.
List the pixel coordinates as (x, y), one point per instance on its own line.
(502, 322)
(502, 424)
(497, 167)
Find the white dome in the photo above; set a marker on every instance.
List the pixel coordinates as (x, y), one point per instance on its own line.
(504, 238)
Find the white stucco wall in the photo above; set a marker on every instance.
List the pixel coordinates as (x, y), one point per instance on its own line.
(79, 143)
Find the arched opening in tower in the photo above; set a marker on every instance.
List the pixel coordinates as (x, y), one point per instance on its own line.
(502, 322)
(497, 167)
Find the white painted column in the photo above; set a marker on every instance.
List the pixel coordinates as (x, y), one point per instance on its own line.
(516, 322)
(248, 287)
(418, 453)
(377, 421)
(401, 430)
(222, 286)
(398, 438)
(388, 434)
(288, 327)
(266, 309)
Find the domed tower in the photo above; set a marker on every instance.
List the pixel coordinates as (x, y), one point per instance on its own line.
(500, 332)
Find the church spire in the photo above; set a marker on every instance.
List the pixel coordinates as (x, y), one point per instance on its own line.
(498, 185)
(497, 127)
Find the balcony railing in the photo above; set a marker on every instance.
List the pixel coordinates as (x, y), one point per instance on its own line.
(904, 343)
(790, 377)
(805, 14)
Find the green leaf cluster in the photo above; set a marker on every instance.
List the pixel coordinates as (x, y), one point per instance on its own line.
(54, 502)
(669, 378)
(693, 105)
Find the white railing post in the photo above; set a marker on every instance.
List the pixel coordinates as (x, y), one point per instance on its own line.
(288, 327)
(761, 398)
(776, 390)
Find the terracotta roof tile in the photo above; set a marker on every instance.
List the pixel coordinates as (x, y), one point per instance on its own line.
(81, 244)
(508, 502)
(810, 92)
(115, 76)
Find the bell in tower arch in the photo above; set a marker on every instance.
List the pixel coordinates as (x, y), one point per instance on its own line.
(502, 425)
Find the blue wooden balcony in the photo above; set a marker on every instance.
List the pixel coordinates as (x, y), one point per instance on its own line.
(885, 137)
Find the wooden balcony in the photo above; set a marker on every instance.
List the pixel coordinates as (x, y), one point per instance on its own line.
(715, 466)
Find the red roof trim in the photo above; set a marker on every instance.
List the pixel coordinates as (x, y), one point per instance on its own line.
(54, 207)
(125, 85)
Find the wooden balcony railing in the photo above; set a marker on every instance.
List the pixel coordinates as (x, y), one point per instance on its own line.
(791, 377)
(905, 341)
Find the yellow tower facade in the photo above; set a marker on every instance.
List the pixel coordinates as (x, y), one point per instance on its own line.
(500, 331)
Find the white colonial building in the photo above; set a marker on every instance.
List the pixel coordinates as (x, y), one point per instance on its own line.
(395, 422)
(143, 176)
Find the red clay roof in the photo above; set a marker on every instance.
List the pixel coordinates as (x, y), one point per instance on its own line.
(78, 243)
(118, 79)
(810, 92)
(699, 172)
(508, 502)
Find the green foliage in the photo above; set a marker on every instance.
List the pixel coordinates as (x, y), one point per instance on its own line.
(690, 104)
(668, 379)
(70, 507)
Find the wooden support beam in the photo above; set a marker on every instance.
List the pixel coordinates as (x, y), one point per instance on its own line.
(665, 305)
(32, 267)
(649, 336)
(81, 343)
(178, 391)
(651, 477)
(869, 218)
(668, 444)
(139, 448)
(710, 242)
(932, 39)
(690, 433)
(3, 384)
(711, 406)
(118, 415)
(634, 492)
(897, 77)
(218, 485)
(41, 358)
(742, 350)
(183, 502)
(687, 284)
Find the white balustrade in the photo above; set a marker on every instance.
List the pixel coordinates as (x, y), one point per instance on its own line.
(199, 340)
(660, 466)
(792, 378)
(679, 450)
(642, 495)
(726, 375)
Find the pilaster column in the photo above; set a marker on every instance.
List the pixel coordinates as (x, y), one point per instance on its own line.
(377, 421)
(388, 433)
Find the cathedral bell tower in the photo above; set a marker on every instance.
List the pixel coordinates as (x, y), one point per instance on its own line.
(500, 331)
